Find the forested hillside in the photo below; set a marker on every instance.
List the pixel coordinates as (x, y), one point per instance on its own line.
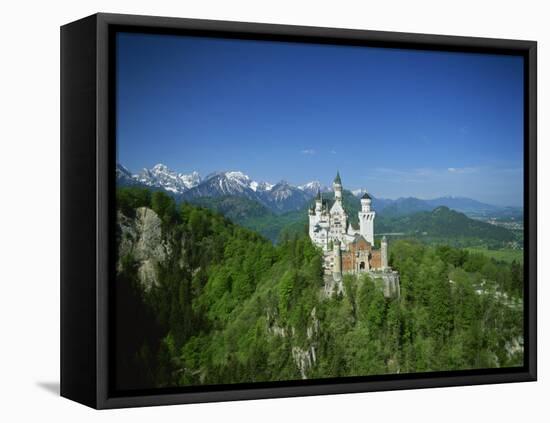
(202, 300)
(443, 223)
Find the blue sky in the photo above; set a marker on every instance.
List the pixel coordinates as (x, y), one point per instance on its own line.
(397, 122)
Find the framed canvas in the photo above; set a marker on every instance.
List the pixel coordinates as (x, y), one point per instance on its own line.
(257, 211)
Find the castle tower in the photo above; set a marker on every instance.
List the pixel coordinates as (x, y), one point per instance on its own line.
(384, 253)
(337, 185)
(314, 215)
(366, 219)
(338, 216)
(337, 267)
(318, 202)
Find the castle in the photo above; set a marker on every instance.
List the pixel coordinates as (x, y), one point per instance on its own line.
(346, 248)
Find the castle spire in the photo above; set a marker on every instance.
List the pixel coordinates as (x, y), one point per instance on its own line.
(337, 180)
(337, 185)
(318, 197)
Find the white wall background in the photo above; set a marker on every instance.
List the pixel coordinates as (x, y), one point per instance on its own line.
(29, 212)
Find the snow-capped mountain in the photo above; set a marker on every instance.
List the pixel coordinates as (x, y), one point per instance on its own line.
(223, 183)
(279, 197)
(284, 197)
(261, 186)
(311, 187)
(124, 176)
(160, 176)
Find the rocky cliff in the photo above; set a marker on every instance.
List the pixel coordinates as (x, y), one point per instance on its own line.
(141, 238)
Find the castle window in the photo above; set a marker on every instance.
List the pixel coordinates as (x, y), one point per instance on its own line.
(362, 265)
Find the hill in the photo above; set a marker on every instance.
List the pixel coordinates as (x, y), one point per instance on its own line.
(471, 208)
(443, 223)
(238, 209)
(201, 301)
(403, 207)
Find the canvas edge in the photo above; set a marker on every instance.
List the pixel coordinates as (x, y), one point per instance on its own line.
(78, 311)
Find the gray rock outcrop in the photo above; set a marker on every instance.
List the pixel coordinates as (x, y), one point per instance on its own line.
(141, 239)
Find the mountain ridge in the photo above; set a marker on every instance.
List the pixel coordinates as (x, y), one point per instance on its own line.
(283, 197)
(279, 197)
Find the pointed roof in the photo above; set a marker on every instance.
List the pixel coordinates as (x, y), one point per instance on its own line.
(318, 197)
(337, 180)
(366, 196)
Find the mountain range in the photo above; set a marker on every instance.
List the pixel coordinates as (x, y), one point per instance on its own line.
(278, 197)
(283, 197)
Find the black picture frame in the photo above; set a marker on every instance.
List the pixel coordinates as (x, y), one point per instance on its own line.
(87, 195)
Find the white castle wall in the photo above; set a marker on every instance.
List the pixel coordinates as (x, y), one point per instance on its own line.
(384, 253)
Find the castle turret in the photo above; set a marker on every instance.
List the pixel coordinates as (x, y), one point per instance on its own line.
(318, 202)
(366, 203)
(384, 253)
(366, 218)
(337, 266)
(338, 216)
(337, 185)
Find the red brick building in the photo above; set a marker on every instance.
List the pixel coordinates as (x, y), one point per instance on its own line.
(360, 256)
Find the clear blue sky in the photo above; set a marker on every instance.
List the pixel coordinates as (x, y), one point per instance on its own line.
(397, 122)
